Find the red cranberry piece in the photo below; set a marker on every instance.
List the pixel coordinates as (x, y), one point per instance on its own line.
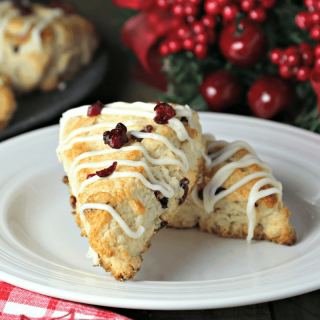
(219, 190)
(148, 129)
(73, 201)
(184, 184)
(24, 9)
(184, 119)
(95, 109)
(164, 201)
(117, 137)
(200, 194)
(107, 171)
(163, 224)
(91, 175)
(164, 113)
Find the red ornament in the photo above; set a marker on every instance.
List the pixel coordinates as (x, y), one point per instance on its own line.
(220, 89)
(243, 45)
(269, 95)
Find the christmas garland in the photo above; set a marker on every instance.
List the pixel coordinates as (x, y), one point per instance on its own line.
(250, 57)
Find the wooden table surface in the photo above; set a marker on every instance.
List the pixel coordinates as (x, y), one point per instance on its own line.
(118, 85)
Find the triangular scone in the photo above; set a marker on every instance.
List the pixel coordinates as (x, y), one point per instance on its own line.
(237, 198)
(155, 169)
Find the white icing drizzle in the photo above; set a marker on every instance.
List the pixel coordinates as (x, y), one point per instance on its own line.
(36, 31)
(3, 24)
(147, 111)
(206, 158)
(165, 188)
(209, 196)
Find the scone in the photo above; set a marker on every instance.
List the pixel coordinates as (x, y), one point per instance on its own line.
(41, 46)
(238, 197)
(8, 103)
(130, 167)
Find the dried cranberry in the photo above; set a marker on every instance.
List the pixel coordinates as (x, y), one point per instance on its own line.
(24, 9)
(164, 113)
(200, 194)
(184, 184)
(163, 224)
(91, 175)
(163, 201)
(73, 201)
(256, 205)
(184, 119)
(148, 129)
(95, 109)
(117, 137)
(107, 171)
(219, 190)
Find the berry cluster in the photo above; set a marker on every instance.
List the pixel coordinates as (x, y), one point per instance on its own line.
(256, 10)
(310, 19)
(188, 9)
(296, 62)
(195, 37)
(117, 137)
(164, 112)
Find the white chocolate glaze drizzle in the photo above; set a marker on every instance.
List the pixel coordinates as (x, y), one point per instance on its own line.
(210, 198)
(138, 109)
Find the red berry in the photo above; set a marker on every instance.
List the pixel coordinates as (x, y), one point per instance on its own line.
(315, 33)
(305, 45)
(163, 4)
(209, 21)
(317, 50)
(164, 112)
(276, 56)
(211, 7)
(107, 171)
(248, 5)
(223, 3)
(198, 27)
(230, 12)
(285, 71)
(212, 36)
(117, 137)
(191, 19)
(164, 49)
(303, 20)
(195, 2)
(201, 51)
(184, 184)
(183, 31)
(202, 37)
(315, 17)
(294, 59)
(258, 14)
(190, 10)
(303, 73)
(147, 129)
(95, 109)
(309, 3)
(177, 10)
(174, 45)
(188, 44)
(220, 89)
(90, 175)
(307, 57)
(291, 49)
(317, 63)
(268, 3)
(269, 95)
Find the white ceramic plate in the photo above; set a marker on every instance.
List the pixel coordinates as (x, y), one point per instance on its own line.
(41, 248)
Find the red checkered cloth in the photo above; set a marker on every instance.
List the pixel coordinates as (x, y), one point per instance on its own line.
(20, 304)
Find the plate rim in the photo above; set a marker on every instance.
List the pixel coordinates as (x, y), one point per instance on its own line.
(162, 305)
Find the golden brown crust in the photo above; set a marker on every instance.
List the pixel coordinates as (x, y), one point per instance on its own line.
(229, 218)
(136, 204)
(8, 103)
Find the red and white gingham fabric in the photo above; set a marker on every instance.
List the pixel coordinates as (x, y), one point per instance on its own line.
(20, 304)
